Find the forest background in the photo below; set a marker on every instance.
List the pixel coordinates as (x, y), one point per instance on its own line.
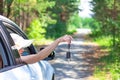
(46, 20)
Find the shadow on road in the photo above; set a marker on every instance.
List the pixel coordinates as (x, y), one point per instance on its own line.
(83, 58)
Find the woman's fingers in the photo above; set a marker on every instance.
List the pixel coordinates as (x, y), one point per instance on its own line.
(67, 38)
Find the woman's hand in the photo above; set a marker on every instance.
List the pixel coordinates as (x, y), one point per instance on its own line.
(66, 38)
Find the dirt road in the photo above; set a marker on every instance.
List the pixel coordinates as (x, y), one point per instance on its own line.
(80, 67)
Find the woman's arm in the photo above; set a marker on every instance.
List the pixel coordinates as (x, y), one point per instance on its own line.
(46, 51)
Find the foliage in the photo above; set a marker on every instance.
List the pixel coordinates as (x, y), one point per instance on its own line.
(36, 31)
(52, 14)
(61, 12)
(64, 8)
(41, 11)
(73, 23)
(56, 30)
(107, 41)
(90, 23)
(5, 7)
(111, 66)
(76, 21)
(107, 13)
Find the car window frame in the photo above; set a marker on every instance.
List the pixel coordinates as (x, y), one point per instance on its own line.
(5, 39)
(16, 29)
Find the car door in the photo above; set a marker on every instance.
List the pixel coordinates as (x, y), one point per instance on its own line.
(12, 70)
(41, 70)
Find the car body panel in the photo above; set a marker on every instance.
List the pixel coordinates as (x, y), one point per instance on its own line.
(29, 72)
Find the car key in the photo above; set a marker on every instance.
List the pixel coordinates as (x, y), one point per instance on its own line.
(68, 54)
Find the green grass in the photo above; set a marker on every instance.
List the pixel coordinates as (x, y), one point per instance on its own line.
(111, 68)
(103, 41)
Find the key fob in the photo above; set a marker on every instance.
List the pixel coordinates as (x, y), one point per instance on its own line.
(68, 54)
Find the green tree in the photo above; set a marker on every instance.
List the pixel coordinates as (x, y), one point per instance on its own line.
(52, 14)
(5, 7)
(61, 12)
(107, 13)
(36, 31)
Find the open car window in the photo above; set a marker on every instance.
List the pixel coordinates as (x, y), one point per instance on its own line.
(26, 52)
(11, 29)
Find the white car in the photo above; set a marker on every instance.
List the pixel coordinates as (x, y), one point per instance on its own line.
(9, 68)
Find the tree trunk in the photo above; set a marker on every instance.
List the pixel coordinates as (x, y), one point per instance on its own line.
(1, 7)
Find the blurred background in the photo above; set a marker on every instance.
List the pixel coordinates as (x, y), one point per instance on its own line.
(46, 20)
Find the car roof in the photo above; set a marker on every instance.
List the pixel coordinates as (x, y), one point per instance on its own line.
(7, 20)
(3, 18)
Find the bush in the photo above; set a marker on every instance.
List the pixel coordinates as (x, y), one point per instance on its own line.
(36, 31)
